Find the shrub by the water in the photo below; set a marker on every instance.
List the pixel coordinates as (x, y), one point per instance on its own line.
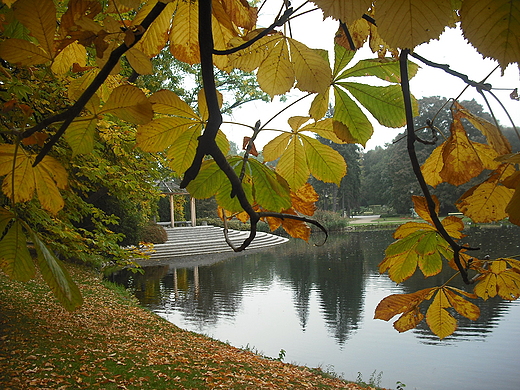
(154, 234)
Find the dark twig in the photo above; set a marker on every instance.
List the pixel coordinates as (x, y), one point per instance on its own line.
(277, 23)
(349, 37)
(405, 86)
(507, 113)
(446, 68)
(249, 146)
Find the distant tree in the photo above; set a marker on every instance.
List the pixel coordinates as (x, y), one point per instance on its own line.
(376, 184)
(345, 197)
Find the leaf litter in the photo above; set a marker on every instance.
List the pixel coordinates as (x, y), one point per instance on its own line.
(110, 342)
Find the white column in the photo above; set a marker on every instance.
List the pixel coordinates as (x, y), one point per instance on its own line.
(172, 211)
(193, 212)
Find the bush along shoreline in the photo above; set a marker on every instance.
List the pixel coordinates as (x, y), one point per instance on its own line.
(113, 343)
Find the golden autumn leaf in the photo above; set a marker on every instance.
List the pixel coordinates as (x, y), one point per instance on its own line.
(320, 106)
(493, 28)
(167, 102)
(19, 51)
(252, 57)
(39, 16)
(461, 161)
(345, 10)
(129, 103)
(404, 24)
(241, 13)
(500, 279)
(276, 73)
(440, 321)
(421, 207)
(156, 36)
(396, 304)
(513, 207)
(203, 106)
(432, 166)
(139, 61)
(494, 136)
(184, 33)
(304, 199)
(295, 228)
(47, 178)
(485, 202)
(311, 69)
(461, 305)
(71, 54)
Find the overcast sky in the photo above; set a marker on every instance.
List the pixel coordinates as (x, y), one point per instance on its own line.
(450, 49)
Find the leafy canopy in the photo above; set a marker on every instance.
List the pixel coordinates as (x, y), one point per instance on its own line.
(86, 47)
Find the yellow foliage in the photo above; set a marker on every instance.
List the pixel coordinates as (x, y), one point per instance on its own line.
(22, 179)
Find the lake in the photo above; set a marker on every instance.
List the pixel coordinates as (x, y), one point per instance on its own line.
(315, 305)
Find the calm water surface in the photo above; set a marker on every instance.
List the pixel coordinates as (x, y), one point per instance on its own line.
(317, 304)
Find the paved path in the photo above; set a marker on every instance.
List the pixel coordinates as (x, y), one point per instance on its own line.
(364, 218)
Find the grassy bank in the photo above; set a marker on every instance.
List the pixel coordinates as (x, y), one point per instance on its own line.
(113, 343)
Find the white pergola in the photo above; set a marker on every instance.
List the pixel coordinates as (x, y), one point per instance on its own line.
(170, 188)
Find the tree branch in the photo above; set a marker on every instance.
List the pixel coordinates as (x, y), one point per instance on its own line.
(446, 68)
(277, 23)
(72, 112)
(411, 138)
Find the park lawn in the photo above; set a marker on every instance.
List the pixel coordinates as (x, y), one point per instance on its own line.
(113, 343)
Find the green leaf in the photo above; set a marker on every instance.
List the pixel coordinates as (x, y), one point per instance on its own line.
(5, 217)
(270, 190)
(56, 276)
(80, 135)
(182, 152)
(347, 112)
(161, 133)
(208, 181)
(386, 104)
(223, 195)
(342, 58)
(427, 244)
(430, 264)
(324, 163)
(15, 259)
(384, 68)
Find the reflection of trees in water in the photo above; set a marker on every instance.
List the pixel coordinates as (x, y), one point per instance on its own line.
(337, 272)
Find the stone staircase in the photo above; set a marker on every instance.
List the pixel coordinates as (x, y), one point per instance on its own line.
(204, 240)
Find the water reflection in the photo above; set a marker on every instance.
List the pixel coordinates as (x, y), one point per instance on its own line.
(338, 272)
(300, 297)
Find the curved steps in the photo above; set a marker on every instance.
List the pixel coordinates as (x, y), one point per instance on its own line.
(201, 240)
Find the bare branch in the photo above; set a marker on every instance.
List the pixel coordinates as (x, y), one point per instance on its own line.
(405, 86)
